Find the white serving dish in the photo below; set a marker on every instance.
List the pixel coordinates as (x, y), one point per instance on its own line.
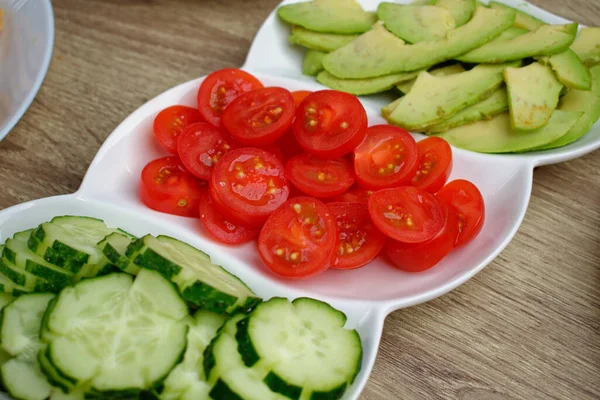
(110, 192)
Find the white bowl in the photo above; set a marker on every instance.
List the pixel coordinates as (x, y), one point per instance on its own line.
(26, 43)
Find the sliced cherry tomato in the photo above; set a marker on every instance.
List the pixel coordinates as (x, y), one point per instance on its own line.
(300, 95)
(355, 196)
(221, 229)
(320, 178)
(330, 124)
(388, 157)
(289, 145)
(359, 240)
(422, 256)
(168, 187)
(260, 117)
(276, 151)
(247, 185)
(468, 202)
(201, 145)
(299, 239)
(170, 122)
(220, 88)
(435, 155)
(406, 214)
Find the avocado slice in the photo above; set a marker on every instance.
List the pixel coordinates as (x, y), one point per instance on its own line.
(405, 87)
(587, 102)
(359, 87)
(329, 16)
(416, 23)
(497, 136)
(379, 52)
(495, 104)
(546, 40)
(587, 46)
(569, 70)
(533, 93)
(326, 42)
(461, 10)
(313, 62)
(523, 20)
(436, 98)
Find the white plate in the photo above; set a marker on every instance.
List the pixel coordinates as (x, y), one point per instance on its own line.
(26, 43)
(110, 192)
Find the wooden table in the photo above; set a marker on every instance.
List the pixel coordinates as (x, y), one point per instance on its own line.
(527, 327)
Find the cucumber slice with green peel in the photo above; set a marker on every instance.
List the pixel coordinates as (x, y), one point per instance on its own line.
(114, 247)
(9, 287)
(22, 277)
(303, 344)
(24, 380)
(5, 299)
(52, 374)
(23, 236)
(58, 394)
(203, 284)
(119, 335)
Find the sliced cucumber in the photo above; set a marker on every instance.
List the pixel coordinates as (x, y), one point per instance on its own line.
(9, 287)
(23, 236)
(5, 299)
(200, 282)
(305, 346)
(114, 247)
(120, 336)
(24, 380)
(22, 277)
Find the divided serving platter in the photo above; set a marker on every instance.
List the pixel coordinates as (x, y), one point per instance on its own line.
(110, 192)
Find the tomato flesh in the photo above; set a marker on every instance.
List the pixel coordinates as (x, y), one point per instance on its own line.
(167, 187)
(259, 117)
(359, 240)
(247, 185)
(330, 124)
(388, 157)
(221, 229)
(406, 214)
(435, 165)
(357, 195)
(299, 239)
(422, 256)
(201, 145)
(220, 88)
(170, 123)
(300, 95)
(467, 201)
(319, 178)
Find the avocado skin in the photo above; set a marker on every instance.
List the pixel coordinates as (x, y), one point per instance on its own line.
(360, 87)
(326, 42)
(523, 20)
(587, 46)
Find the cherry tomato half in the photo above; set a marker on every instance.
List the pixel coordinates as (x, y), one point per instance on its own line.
(435, 165)
(300, 95)
(320, 178)
(406, 214)
(388, 157)
(259, 117)
(168, 187)
(221, 229)
(220, 88)
(247, 185)
(422, 256)
(357, 195)
(201, 145)
(467, 201)
(299, 239)
(330, 124)
(359, 240)
(170, 122)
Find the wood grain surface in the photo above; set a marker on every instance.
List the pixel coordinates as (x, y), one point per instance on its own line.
(527, 327)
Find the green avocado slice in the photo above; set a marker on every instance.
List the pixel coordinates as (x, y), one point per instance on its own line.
(330, 16)
(497, 136)
(523, 20)
(313, 62)
(587, 46)
(360, 87)
(569, 70)
(405, 87)
(379, 52)
(326, 42)
(416, 23)
(546, 40)
(533, 93)
(461, 10)
(436, 98)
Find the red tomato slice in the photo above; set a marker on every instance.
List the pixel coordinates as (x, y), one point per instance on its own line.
(201, 145)
(388, 157)
(320, 178)
(289, 145)
(330, 124)
(247, 185)
(422, 256)
(467, 201)
(170, 122)
(435, 155)
(300, 95)
(167, 187)
(406, 214)
(221, 229)
(359, 240)
(276, 151)
(355, 196)
(220, 88)
(260, 117)
(299, 239)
